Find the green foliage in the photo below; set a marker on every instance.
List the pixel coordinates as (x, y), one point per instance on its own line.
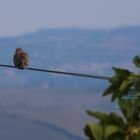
(131, 110)
(136, 61)
(94, 131)
(120, 83)
(112, 126)
(105, 119)
(99, 132)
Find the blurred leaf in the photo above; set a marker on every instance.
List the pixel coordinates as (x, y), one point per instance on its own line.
(138, 94)
(135, 130)
(109, 90)
(119, 84)
(116, 120)
(124, 88)
(136, 61)
(98, 115)
(107, 119)
(119, 135)
(125, 85)
(94, 131)
(125, 107)
(114, 96)
(137, 137)
(116, 80)
(137, 85)
(121, 72)
(133, 77)
(131, 110)
(110, 130)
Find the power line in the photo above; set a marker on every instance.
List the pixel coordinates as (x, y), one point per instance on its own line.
(61, 72)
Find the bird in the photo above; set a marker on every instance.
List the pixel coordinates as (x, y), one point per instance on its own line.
(20, 58)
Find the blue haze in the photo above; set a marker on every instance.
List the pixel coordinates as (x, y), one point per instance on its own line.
(41, 105)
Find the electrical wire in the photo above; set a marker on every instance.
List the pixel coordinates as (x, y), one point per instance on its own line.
(62, 72)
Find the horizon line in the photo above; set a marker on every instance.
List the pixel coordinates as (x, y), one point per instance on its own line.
(68, 27)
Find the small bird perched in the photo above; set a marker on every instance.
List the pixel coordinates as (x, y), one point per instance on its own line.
(20, 58)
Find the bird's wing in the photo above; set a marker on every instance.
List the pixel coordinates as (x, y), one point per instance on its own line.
(16, 59)
(24, 58)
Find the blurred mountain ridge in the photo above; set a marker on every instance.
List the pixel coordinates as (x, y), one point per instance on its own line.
(91, 51)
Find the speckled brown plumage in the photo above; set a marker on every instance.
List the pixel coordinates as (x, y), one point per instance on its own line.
(20, 58)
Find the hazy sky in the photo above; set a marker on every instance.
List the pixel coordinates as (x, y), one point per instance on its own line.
(21, 16)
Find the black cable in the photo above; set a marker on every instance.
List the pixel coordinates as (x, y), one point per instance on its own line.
(62, 72)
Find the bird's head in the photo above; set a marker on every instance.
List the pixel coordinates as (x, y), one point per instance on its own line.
(19, 50)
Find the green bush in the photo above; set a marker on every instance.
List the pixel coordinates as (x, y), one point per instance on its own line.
(112, 126)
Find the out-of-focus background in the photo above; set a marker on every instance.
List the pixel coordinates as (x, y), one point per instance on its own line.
(68, 35)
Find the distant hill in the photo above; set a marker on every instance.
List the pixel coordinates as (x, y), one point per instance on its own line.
(69, 49)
